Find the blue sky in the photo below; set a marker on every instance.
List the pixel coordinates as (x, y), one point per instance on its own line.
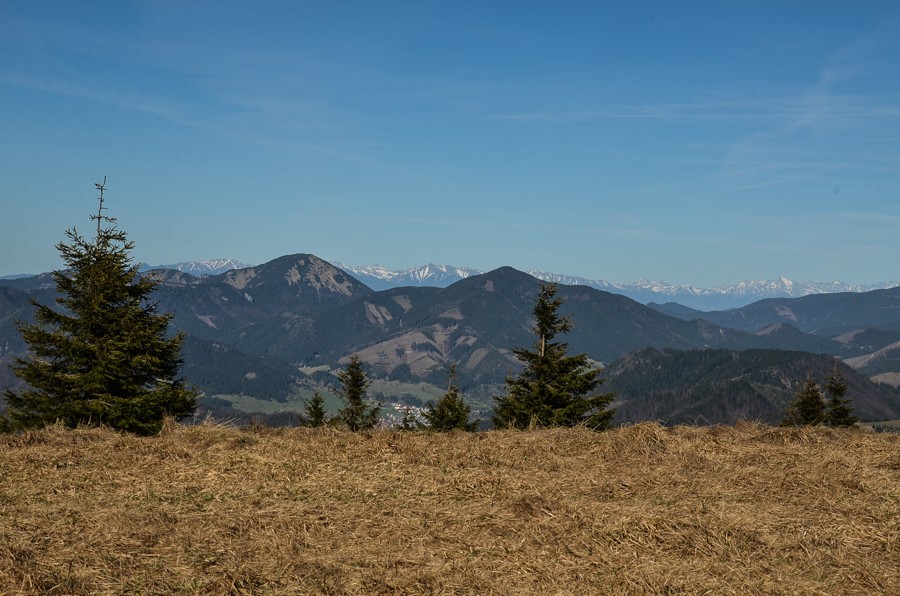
(701, 143)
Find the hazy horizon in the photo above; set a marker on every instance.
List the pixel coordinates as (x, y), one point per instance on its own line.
(674, 282)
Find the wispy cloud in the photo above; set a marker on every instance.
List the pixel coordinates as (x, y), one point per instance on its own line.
(867, 217)
(796, 109)
(832, 115)
(157, 106)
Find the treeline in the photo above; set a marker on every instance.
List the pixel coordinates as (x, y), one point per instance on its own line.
(554, 389)
(105, 356)
(220, 369)
(714, 386)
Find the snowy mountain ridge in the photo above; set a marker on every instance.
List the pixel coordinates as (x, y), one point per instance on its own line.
(381, 278)
(719, 297)
(645, 291)
(198, 268)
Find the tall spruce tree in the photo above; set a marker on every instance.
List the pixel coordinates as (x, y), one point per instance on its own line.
(808, 408)
(840, 412)
(554, 389)
(451, 412)
(104, 355)
(357, 414)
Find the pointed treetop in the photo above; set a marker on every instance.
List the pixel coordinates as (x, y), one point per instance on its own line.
(100, 218)
(546, 311)
(451, 376)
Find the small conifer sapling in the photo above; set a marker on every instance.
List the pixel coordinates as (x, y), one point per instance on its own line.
(357, 413)
(315, 410)
(451, 412)
(808, 408)
(840, 412)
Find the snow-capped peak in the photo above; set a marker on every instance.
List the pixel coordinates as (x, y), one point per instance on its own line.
(381, 278)
(375, 271)
(207, 267)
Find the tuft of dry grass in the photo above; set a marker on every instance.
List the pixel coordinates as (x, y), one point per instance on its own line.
(643, 509)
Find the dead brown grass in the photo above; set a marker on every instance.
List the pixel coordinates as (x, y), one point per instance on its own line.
(643, 509)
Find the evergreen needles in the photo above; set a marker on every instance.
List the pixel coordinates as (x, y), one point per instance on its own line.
(451, 412)
(839, 413)
(103, 356)
(810, 408)
(357, 414)
(315, 410)
(555, 389)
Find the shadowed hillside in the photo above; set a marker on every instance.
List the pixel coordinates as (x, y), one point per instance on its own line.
(726, 386)
(823, 314)
(414, 333)
(257, 332)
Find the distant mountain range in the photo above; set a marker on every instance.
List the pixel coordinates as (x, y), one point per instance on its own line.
(286, 326)
(209, 267)
(720, 297)
(381, 278)
(644, 291)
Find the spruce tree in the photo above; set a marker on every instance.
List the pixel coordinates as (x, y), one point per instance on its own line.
(104, 355)
(839, 413)
(356, 414)
(554, 389)
(451, 412)
(315, 410)
(808, 408)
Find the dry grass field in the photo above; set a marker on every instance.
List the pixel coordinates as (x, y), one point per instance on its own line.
(637, 510)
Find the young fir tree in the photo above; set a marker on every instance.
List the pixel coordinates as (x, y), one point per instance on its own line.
(356, 414)
(104, 356)
(555, 389)
(808, 408)
(839, 413)
(315, 410)
(451, 412)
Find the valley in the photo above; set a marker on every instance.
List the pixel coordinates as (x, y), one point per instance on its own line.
(261, 339)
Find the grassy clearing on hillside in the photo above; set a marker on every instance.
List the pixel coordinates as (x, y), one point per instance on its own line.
(640, 509)
(891, 378)
(893, 425)
(245, 403)
(421, 391)
(333, 403)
